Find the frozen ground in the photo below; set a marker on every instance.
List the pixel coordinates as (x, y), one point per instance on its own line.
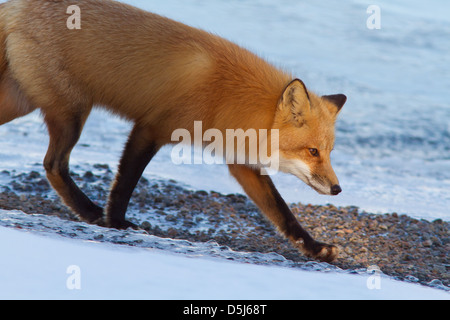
(392, 150)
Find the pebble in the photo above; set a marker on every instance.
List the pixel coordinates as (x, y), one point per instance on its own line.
(427, 243)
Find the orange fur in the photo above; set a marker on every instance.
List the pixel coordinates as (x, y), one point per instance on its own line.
(142, 66)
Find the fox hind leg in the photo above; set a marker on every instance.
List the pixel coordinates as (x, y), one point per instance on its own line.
(13, 103)
(64, 130)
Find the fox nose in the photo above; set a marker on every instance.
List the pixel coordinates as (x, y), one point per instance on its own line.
(335, 190)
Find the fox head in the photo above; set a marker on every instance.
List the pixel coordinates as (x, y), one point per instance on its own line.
(306, 123)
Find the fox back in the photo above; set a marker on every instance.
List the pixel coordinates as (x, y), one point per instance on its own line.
(140, 65)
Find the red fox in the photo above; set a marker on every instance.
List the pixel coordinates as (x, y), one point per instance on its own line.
(161, 75)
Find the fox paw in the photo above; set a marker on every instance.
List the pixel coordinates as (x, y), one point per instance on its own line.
(123, 225)
(326, 252)
(319, 251)
(117, 224)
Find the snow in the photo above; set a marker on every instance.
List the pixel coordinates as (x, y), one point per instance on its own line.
(392, 154)
(36, 267)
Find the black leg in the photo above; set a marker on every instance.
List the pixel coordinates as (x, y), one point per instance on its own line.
(138, 152)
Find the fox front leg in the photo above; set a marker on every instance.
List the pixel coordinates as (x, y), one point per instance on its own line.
(262, 191)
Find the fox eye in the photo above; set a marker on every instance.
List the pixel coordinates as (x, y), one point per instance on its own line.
(314, 152)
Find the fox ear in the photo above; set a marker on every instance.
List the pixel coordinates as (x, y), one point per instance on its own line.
(295, 99)
(337, 99)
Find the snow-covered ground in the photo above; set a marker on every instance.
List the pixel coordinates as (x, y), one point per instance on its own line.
(46, 266)
(392, 151)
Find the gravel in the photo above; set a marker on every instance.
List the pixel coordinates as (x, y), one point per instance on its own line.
(402, 247)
